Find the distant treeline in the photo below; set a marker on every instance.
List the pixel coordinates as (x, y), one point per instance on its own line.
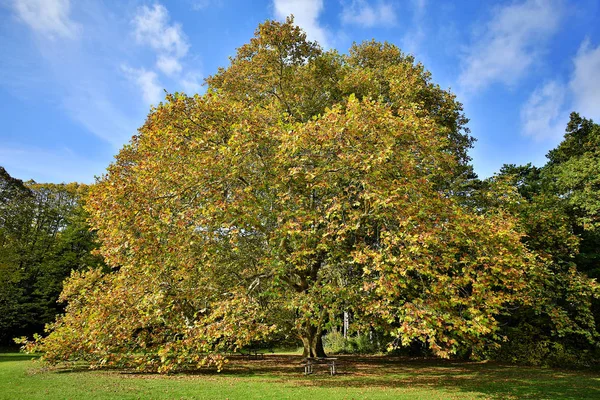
(43, 237)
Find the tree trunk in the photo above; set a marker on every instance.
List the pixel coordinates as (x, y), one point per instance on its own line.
(312, 341)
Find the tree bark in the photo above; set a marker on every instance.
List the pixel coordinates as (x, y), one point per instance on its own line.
(312, 341)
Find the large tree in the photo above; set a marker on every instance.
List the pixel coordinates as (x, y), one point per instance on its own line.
(302, 184)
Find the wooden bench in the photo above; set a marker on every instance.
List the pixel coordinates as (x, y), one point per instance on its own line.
(310, 362)
(253, 354)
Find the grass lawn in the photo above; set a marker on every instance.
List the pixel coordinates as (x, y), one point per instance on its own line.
(280, 377)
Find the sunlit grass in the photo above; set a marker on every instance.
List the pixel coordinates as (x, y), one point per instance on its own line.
(280, 376)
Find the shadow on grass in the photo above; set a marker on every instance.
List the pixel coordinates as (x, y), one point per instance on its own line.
(16, 357)
(493, 380)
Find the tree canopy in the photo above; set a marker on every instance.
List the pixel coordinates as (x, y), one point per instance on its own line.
(303, 184)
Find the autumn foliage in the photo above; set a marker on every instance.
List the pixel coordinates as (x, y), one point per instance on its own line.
(302, 184)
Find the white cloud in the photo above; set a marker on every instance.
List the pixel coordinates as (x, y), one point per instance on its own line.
(545, 113)
(168, 65)
(365, 14)
(585, 81)
(306, 15)
(411, 42)
(544, 116)
(510, 43)
(91, 107)
(47, 17)
(152, 28)
(73, 78)
(201, 4)
(147, 81)
(80, 83)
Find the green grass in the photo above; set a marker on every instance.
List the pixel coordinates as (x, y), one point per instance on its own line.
(280, 377)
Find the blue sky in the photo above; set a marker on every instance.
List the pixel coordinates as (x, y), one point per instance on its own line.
(78, 77)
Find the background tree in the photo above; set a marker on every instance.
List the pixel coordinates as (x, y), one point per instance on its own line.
(15, 201)
(557, 211)
(573, 174)
(43, 236)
